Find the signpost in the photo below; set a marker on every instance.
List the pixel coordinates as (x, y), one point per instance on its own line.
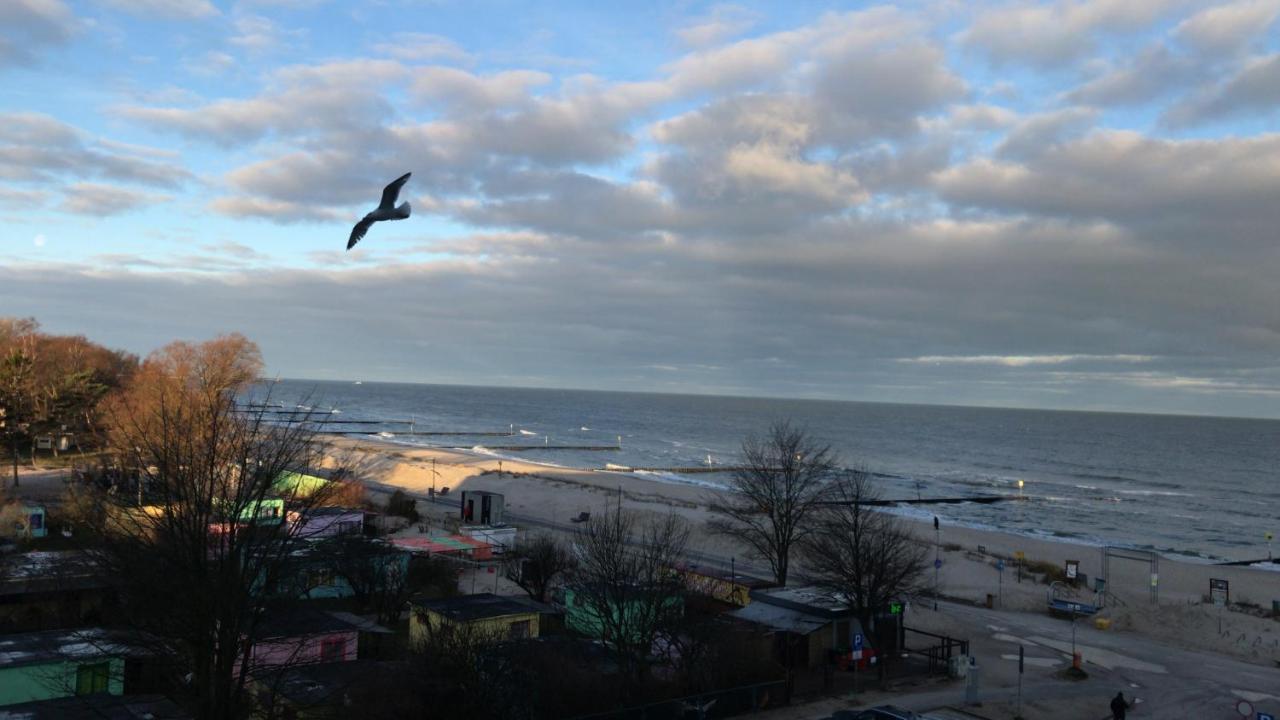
(1021, 556)
(857, 658)
(1219, 591)
(1269, 538)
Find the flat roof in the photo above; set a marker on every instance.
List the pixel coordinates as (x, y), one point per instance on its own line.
(466, 608)
(324, 683)
(48, 571)
(812, 600)
(327, 511)
(441, 543)
(779, 618)
(305, 621)
(37, 648)
(748, 581)
(99, 706)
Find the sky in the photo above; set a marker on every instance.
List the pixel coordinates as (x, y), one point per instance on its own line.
(1068, 204)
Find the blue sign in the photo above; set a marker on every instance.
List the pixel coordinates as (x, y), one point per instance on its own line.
(1265, 716)
(937, 563)
(1000, 565)
(857, 641)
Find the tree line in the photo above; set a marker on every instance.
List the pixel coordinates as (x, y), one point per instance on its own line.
(54, 383)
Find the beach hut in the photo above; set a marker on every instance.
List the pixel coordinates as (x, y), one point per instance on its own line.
(62, 663)
(457, 546)
(726, 586)
(480, 507)
(493, 616)
(807, 625)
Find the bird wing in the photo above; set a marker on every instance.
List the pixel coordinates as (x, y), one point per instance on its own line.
(391, 192)
(358, 232)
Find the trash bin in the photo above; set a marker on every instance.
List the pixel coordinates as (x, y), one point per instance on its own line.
(1102, 623)
(991, 600)
(1275, 608)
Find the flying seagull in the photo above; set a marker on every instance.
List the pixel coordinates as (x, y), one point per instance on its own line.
(386, 210)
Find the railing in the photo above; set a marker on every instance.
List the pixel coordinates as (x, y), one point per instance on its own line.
(939, 650)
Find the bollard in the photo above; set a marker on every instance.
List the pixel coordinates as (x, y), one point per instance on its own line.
(1076, 660)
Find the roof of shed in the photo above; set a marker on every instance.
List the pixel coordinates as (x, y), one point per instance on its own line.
(466, 608)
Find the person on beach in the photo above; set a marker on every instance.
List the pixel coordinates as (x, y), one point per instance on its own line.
(1118, 706)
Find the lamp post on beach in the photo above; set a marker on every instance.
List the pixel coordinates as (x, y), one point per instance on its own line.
(433, 479)
(937, 558)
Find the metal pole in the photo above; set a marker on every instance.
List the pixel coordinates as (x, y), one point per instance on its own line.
(1021, 660)
(1073, 633)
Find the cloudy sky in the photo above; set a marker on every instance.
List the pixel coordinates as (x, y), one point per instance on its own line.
(1066, 204)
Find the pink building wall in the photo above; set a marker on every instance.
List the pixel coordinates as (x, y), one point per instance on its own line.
(280, 652)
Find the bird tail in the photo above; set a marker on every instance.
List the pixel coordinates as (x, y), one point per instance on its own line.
(403, 210)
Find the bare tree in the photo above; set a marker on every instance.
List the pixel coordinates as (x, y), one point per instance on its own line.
(625, 583)
(860, 555)
(199, 548)
(782, 478)
(537, 563)
(377, 572)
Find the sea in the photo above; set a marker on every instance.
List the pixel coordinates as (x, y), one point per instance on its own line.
(1201, 488)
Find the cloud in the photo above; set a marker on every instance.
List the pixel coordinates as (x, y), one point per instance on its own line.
(299, 100)
(462, 92)
(39, 150)
(422, 47)
(30, 27)
(1228, 28)
(1018, 361)
(167, 9)
(274, 210)
(879, 91)
(14, 199)
(1154, 73)
(722, 22)
(1183, 186)
(258, 34)
(104, 200)
(1254, 90)
(1034, 134)
(234, 249)
(1045, 34)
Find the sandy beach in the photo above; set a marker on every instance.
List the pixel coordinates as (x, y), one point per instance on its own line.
(1182, 616)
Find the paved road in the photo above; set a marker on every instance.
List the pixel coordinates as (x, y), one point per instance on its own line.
(1172, 682)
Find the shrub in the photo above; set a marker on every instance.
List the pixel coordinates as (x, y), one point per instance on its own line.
(402, 505)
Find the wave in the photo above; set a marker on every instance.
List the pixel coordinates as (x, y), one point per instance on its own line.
(676, 478)
(527, 432)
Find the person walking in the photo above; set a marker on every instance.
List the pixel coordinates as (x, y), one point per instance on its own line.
(1118, 706)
